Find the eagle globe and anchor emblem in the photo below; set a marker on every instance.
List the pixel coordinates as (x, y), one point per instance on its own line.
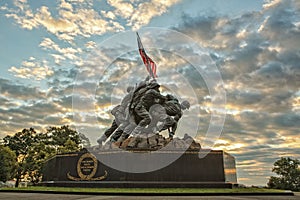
(87, 166)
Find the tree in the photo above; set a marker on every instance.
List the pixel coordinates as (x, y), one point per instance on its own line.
(34, 162)
(288, 174)
(21, 143)
(60, 135)
(7, 164)
(84, 140)
(33, 149)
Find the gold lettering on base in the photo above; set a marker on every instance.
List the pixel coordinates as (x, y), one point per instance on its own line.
(87, 166)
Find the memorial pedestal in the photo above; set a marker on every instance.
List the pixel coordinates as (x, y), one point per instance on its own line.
(90, 169)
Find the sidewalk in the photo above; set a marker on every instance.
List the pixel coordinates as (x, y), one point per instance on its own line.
(43, 196)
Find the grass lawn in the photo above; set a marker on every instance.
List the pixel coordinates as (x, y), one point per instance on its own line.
(147, 190)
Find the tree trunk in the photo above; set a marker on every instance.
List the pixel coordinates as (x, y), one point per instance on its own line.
(17, 181)
(18, 177)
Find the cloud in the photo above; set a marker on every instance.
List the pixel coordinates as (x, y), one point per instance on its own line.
(272, 69)
(90, 22)
(84, 20)
(66, 5)
(68, 53)
(244, 98)
(32, 69)
(24, 106)
(17, 91)
(147, 10)
(288, 120)
(122, 8)
(208, 28)
(90, 44)
(20, 107)
(253, 60)
(78, 18)
(33, 114)
(136, 13)
(71, 21)
(58, 58)
(108, 14)
(270, 3)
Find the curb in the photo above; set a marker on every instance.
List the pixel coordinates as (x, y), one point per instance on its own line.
(286, 193)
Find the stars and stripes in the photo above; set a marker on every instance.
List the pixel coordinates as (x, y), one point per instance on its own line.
(149, 63)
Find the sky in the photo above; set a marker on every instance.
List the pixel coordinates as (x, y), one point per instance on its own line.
(68, 62)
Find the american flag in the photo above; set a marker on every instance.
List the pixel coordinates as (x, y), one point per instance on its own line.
(149, 63)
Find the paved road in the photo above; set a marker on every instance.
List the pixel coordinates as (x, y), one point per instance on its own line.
(37, 196)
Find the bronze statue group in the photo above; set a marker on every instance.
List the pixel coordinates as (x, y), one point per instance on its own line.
(144, 112)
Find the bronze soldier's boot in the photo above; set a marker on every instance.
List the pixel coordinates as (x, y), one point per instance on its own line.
(121, 138)
(134, 142)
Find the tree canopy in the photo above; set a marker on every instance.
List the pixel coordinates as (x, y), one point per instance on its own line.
(32, 149)
(21, 141)
(7, 164)
(288, 174)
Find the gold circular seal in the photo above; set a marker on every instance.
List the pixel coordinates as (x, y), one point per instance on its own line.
(87, 166)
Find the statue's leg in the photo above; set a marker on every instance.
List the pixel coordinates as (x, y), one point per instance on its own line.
(146, 120)
(107, 133)
(174, 126)
(117, 134)
(126, 132)
(167, 123)
(113, 127)
(120, 130)
(171, 125)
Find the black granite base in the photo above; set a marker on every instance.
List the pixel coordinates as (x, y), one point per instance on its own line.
(83, 169)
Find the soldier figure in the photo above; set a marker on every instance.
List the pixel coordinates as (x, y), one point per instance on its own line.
(129, 125)
(152, 96)
(173, 113)
(119, 118)
(120, 114)
(144, 110)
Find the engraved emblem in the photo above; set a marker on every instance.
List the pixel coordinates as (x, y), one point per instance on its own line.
(87, 166)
